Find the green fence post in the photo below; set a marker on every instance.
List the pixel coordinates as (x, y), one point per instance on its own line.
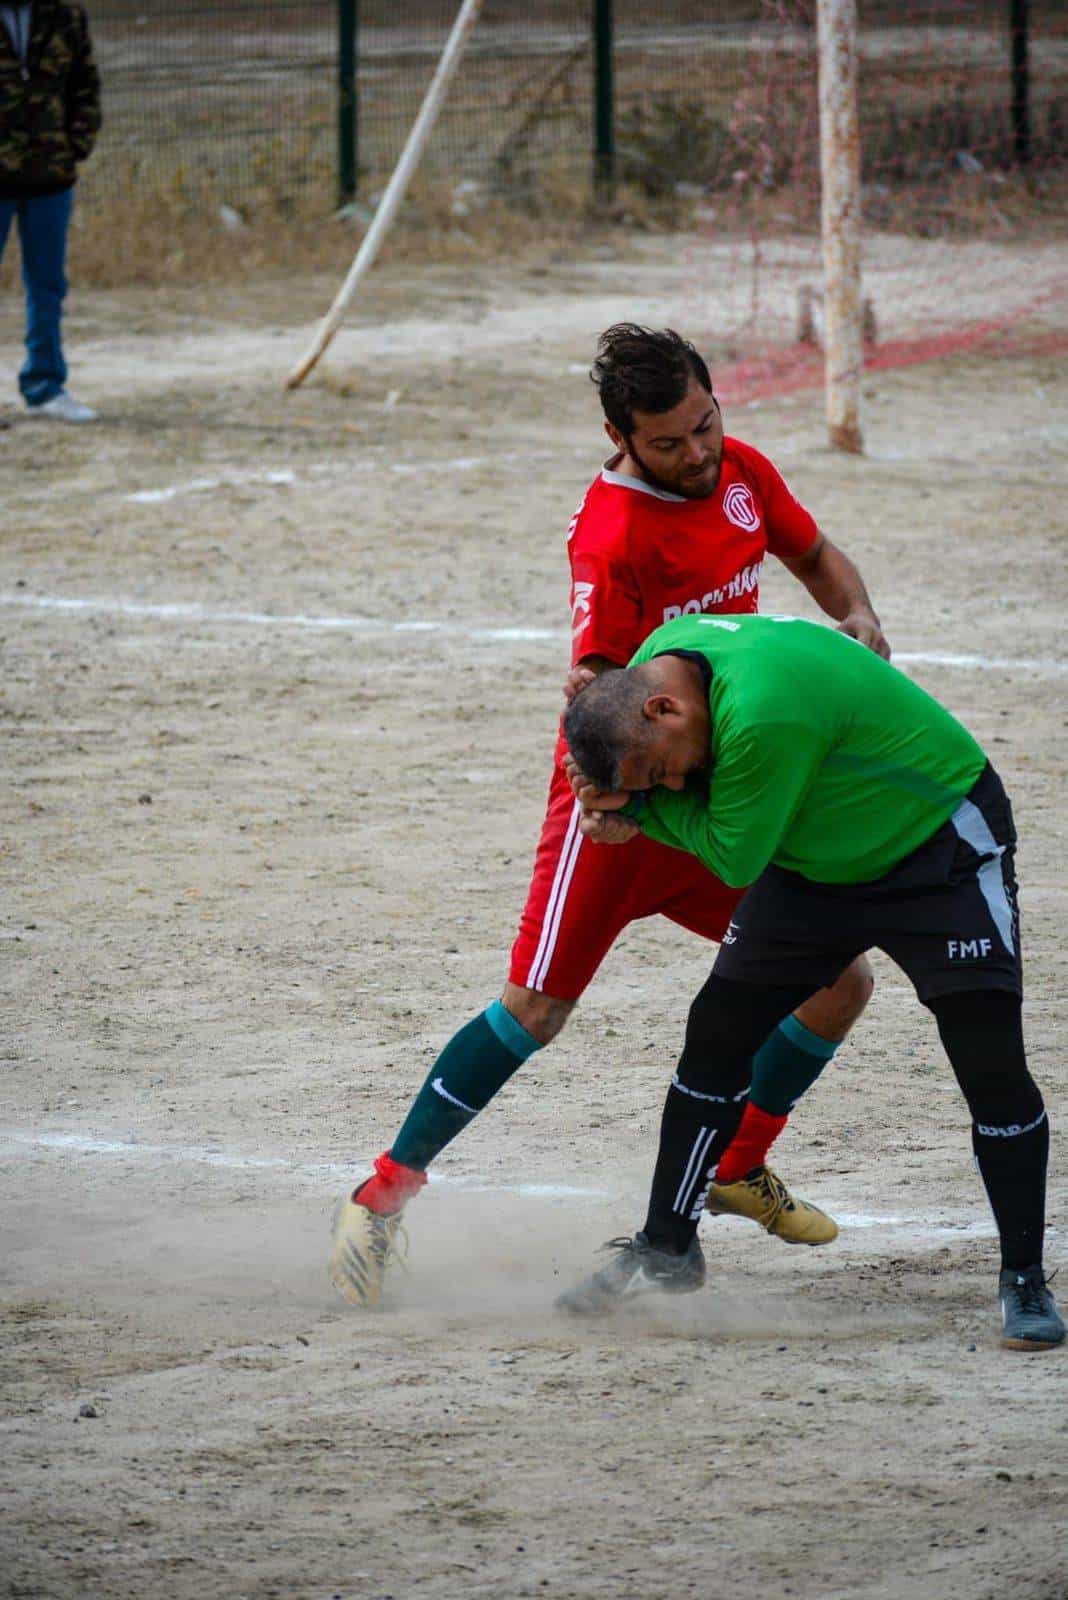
(1021, 82)
(604, 122)
(346, 101)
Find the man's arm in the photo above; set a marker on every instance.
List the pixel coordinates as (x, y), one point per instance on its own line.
(83, 93)
(584, 672)
(602, 818)
(838, 588)
(758, 781)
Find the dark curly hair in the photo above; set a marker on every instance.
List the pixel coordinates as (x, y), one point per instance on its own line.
(643, 369)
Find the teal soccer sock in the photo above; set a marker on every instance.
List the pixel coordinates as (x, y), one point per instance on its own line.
(474, 1065)
(788, 1063)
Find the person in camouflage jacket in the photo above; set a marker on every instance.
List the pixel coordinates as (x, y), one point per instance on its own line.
(49, 118)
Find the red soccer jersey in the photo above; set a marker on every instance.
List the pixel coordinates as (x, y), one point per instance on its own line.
(641, 557)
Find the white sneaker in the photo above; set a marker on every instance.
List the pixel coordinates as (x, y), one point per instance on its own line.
(64, 408)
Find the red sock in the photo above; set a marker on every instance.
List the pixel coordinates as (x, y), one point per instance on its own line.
(391, 1187)
(757, 1132)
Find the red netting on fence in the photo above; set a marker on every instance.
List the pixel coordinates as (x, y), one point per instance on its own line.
(964, 139)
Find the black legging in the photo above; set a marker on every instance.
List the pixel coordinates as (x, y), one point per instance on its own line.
(982, 1035)
(727, 1024)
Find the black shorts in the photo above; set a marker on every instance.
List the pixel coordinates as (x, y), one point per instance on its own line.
(946, 914)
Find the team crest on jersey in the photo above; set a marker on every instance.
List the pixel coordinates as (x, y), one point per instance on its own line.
(738, 507)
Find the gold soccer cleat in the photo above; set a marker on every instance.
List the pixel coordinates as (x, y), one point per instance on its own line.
(364, 1245)
(764, 1198)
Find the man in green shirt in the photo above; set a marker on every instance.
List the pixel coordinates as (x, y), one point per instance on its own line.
(785, 756)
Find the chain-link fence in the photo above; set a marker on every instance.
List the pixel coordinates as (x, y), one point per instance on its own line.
(240, 98)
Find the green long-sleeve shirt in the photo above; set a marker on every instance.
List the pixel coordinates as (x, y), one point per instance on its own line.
(824, 759)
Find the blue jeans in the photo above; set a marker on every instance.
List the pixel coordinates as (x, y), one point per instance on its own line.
(43, 220)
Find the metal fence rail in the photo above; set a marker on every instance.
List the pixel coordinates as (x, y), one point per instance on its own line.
(240, 99)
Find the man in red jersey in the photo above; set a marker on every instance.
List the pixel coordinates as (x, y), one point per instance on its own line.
(679, 521)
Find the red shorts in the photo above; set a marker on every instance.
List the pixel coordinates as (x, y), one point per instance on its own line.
(582, 896)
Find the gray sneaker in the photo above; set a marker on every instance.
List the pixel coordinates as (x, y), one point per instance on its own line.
(64, 408)
(1029, 1316)
(636, 1268)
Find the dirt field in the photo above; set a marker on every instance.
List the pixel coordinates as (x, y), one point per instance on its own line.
(280, 683)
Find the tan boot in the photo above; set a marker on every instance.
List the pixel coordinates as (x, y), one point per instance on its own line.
(764, 1198)
(364, 1245)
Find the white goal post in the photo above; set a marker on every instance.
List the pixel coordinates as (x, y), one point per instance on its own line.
(389, 204)
(843, 342)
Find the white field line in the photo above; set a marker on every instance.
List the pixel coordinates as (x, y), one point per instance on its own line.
(148, 497)
(19, 1143)
(908, 1227)
(1047, 665)
(918, 1227)
(191, 611)
(287, 477)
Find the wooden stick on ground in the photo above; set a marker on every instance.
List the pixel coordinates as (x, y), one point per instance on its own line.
(395, 189)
